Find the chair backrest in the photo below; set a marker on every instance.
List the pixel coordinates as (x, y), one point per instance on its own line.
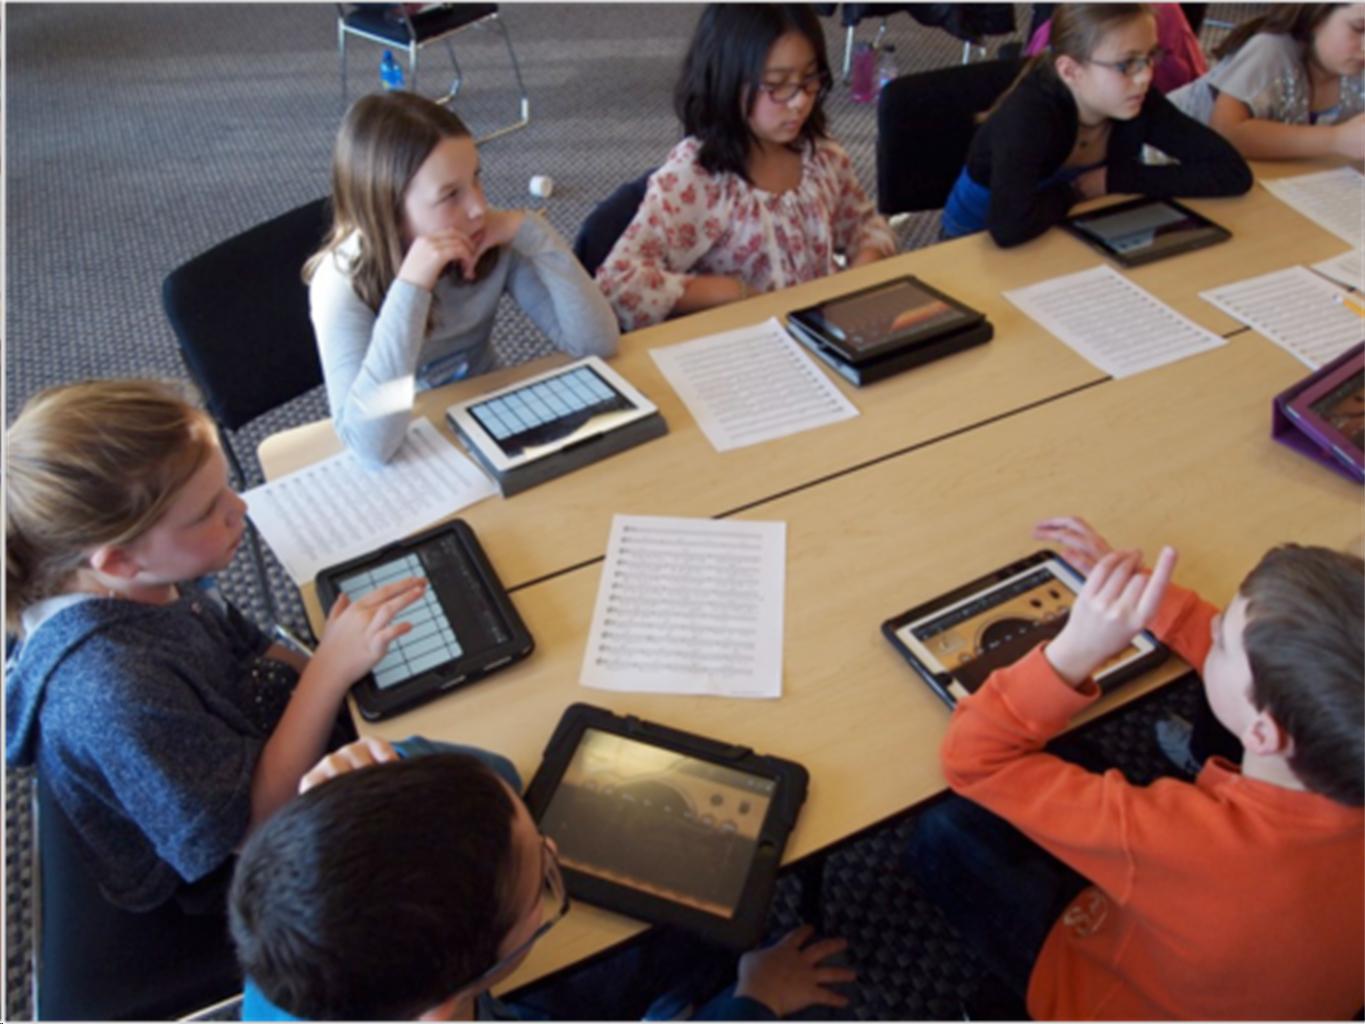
(925, 123)
(240, 314)
(608, 220)
(96, 961)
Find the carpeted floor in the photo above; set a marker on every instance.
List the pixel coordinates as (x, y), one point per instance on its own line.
(138, 135)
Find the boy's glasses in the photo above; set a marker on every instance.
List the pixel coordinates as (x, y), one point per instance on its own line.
(555, 903)
(1133, 66)
(783, 92)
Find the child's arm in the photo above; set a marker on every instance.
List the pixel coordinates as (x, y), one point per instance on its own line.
(645, 276)
(1208, 164)
(783, 979)
(354, 639)
(1262, 139)
(368, 360)
(552, 288)
(993, 751)
(857, 228)
(1023, 144)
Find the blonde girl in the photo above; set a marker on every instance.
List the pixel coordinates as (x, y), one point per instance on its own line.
(404, 291)
(166, 725)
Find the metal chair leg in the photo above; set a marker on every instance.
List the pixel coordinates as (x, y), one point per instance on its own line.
(458, 80)
(848, 53)
(413, 50)
(525, 118)
(341, 51)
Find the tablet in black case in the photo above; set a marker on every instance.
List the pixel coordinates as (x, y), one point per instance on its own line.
(1143, 230)
(666, 826)
(464, 625)
(890, 327)
(955, 641)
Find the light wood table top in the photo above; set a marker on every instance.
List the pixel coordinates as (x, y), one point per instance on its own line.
(565, 522)
(1177, 455)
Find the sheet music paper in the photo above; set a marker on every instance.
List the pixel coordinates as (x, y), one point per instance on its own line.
(1296, 310)
(1118, 326)
(689, 606)
(343, 507)
(751, 385)
(1331, 199)
(1348, 269)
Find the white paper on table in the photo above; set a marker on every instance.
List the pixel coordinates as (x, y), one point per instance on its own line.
(689, 606)
(1331, 199)
(751, 385)
(343, 507)
(1103, 316)
(1348, 268)
(1296, 310)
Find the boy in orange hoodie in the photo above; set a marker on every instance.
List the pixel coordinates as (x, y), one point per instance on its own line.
(1236, 896)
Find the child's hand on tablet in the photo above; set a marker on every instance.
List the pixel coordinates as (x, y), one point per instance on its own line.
(357, 635)
(1117, 601)
(1080, 543)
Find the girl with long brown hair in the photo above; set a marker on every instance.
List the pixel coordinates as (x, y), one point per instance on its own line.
(1074, 126)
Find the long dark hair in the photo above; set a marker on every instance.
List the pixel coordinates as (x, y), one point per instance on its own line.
(1298, 21)
(718, 86)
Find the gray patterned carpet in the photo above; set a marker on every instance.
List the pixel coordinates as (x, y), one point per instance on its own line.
(138, 135)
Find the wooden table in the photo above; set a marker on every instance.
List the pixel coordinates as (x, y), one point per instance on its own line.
(938, 480)
(1178, 455)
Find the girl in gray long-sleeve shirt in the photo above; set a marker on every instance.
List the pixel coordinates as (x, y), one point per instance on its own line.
(406, 301)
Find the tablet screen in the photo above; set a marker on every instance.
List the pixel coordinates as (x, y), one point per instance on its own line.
(1343, 409)
(454, 615)
(997, 626)
(549, 410)
(1150, 228)
(658, 821)
(863, 322)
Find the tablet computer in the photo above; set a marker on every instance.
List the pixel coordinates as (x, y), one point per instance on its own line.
(957, 640)
(867, 326)
(554, 422)
(464, 624)
(1142, 230)
(1331, 411)
(664, 825)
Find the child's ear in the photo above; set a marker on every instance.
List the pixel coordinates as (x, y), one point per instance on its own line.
(114, 560)
(1266, 737)
(1068, 68)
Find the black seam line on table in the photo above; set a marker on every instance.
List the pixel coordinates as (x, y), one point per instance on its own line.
(842, 472)
(1240, 330)
(916, 446)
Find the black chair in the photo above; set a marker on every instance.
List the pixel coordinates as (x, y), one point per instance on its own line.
(925, 123)
(971, 23)
(95, 961)
(608, 220)
(240, 315)
(391, 25)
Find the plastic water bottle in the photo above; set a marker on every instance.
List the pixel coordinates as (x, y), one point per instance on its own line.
(886, 67)
(390, 72)
(863, 80)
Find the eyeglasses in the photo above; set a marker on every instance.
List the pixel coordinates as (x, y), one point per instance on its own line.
(812, 85)
(554, 898)
(1133, 66)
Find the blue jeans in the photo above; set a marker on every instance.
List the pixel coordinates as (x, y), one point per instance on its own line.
(998, 889)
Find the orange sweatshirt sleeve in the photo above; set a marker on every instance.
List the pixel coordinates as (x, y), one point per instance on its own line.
(1182, 623)
(993, 755)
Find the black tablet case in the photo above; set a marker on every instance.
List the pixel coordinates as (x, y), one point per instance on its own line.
(742, 931)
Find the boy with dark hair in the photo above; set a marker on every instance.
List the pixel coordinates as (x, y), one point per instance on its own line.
(1236, 896)
(409, 888)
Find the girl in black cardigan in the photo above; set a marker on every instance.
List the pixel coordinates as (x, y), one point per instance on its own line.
(1073, 127)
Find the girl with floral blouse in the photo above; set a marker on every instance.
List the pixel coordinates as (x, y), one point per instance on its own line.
(756, 197)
